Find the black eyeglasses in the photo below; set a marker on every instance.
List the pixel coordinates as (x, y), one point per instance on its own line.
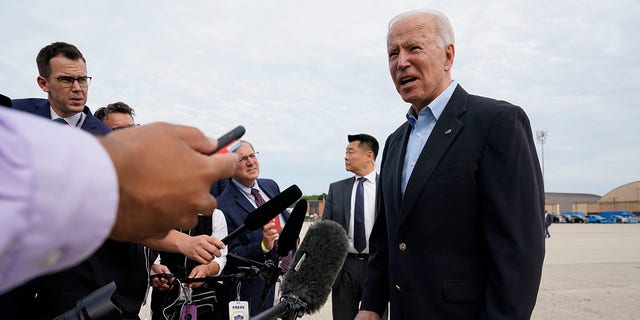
(67, 82)
(252, 156)
(124, 127)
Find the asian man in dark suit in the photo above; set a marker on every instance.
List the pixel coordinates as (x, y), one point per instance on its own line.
(351, 203)
(460, 195)
(243, 194)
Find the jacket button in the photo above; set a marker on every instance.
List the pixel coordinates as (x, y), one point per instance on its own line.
(398, 288)
(402, 246)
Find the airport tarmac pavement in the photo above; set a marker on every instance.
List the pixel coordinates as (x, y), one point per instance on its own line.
(591, 271)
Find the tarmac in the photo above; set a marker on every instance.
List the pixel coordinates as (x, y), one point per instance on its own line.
(591, 271)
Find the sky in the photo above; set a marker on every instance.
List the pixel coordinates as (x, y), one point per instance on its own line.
(302, 75)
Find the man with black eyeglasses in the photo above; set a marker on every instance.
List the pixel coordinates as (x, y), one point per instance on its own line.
(117, 115)
(63, 76)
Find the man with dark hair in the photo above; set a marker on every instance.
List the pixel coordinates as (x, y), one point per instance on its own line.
(63, 76)
(351, 203)
(117, 115)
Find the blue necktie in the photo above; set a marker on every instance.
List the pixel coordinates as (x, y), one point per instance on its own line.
(359, 238)
(61, 121)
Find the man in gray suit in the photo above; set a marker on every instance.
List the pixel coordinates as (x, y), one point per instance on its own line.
(342, 200)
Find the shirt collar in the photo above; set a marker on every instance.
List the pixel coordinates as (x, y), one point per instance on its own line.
(74, 120)
(244, 189)
(436, 107)
(370, 177)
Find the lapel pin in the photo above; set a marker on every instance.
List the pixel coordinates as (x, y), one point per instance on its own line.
(448, 131)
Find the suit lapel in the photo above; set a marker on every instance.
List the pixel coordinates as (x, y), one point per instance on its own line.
(241, 200)
(43, 109)
(347, 188)
(441, 138)
(391, 172)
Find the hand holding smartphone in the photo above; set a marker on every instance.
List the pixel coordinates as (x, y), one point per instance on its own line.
(229, 141)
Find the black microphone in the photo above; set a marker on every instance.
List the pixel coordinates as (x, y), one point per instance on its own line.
(291, 230)
(97, 305)
(306, 286)
(261, 216)
(286, 242)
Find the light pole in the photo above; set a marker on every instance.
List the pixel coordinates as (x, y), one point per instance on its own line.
(541, 136)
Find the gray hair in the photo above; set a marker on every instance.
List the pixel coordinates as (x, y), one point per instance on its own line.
(444, 29)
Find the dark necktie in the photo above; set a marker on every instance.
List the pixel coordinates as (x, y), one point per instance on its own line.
(257, 197)
(61, 121)
(359, 238)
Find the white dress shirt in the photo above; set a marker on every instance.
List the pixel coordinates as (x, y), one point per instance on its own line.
(369, 208)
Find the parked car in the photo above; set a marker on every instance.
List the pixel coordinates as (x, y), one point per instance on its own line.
(621, 219)
(557, 218)
(575, 216)
(567, 217)
(610, 219)
(633, 219)
(580, 219)
(595, 218)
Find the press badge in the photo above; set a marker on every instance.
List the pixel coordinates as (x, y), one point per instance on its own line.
(238, 310)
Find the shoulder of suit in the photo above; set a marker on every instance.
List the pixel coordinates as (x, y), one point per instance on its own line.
(339, 182)
(98, 127)
(267, 183)
(28, 104)
(488, 105)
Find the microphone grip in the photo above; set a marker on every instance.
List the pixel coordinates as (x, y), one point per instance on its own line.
(273, 312)
(234, 234)
(272, 277)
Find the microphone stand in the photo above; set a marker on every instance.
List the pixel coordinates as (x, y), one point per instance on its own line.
(290, 307)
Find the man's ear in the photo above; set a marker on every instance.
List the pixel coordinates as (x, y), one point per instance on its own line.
(449, 55)
(43, 84)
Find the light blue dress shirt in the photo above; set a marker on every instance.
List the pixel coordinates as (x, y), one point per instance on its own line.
(421, 127)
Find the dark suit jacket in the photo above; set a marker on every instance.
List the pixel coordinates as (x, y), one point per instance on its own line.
(337, 206)
(41, 107)
(236, 208)
(464, 242)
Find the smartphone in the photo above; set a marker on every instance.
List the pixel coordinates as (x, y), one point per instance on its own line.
(161, 275)
(229, 141)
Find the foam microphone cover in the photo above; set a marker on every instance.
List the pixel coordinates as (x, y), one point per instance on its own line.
(291, 231)
(272, 208)
(324, 249)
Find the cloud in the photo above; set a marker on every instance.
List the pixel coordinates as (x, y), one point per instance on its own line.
(301, 76)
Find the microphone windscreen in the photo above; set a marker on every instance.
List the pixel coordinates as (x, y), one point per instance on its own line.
(324, 249)
(291, 231)
(261, 216)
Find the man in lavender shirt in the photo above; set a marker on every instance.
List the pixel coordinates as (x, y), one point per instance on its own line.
(48, 227)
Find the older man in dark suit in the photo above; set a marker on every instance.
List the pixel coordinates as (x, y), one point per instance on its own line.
(460, 195)
(243, 194)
